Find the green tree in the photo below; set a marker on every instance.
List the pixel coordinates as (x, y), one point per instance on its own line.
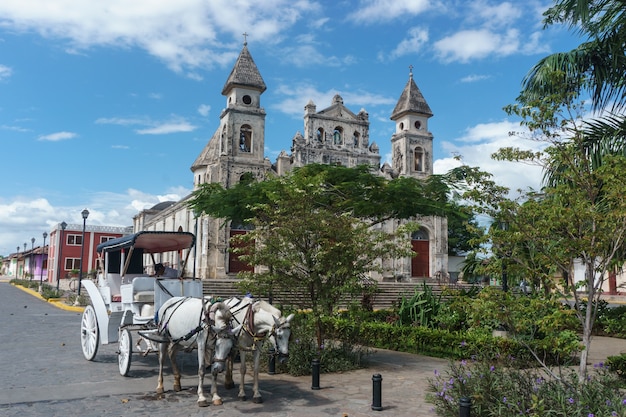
(320, 230)
(580, 214)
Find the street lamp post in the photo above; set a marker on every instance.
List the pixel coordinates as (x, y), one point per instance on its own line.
(31, 270)
(43, 249)
(24, 259)
(60, 261)
(17, 261)
(85, 214)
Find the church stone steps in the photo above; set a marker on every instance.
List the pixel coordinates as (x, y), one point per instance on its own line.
(389, 295)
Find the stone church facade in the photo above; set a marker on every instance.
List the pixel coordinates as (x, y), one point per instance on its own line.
(333, 135)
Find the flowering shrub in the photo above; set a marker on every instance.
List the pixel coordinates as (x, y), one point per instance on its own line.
(503, 389)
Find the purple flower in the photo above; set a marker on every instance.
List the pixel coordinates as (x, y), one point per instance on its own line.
(492, 368)
(504, 400)
(463, 343)
(570, 400)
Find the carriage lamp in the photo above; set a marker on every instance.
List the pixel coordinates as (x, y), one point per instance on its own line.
(85, 214)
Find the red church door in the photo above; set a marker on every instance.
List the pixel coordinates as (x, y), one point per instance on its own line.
(420, 264)
(234, 263)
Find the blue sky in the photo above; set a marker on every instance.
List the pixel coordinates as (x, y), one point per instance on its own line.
(105, 104)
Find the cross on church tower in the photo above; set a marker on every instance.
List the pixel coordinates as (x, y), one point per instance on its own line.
(411, 71)
(245, 38)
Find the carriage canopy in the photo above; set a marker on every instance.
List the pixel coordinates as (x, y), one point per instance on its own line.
(150, 242)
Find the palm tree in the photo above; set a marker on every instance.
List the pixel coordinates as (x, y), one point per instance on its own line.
(597, 65)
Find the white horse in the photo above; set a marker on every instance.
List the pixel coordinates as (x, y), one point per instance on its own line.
(260, 321)
(196, 323)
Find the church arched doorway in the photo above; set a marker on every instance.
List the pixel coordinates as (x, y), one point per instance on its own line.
(420, 263)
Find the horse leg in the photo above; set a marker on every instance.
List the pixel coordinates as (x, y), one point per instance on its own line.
(228, 376)
(162, 350)
(172, 354)
(242, 372)
(256, 397)
(202, 402)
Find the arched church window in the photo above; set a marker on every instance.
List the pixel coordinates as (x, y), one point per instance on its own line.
(245, 138)
(337, 133)
(320, 135)
(401, 126)
(355, 138)
(418, 125)
(418, 159)
(421, 234)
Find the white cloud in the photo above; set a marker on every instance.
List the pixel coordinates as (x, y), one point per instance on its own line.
(55, 137)
(498, 15)
(5, 72)
(297, 96)
(167, 128)
(468, 45)
(204, 109)
(474, 78)
(417, 38)
(174, 125)
(305, 55)
(480, 141)
(185, 34)
(375, 11)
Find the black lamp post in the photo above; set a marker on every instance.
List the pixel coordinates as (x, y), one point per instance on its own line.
(43, 249)
(17, 260)
(60, 261)
(85, 214)
(31, 270)
(24, 259)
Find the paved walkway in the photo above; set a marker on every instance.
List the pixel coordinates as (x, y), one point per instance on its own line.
(404, 386)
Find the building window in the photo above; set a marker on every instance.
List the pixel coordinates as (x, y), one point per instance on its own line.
(246, 99)
(74, 240)
(418, 125)
(337, 136)
(245, 138)
(320, 135)
(355, 138)
(418, 158)
(72, 263)
(106, 238)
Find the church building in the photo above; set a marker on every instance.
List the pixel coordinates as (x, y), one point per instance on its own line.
(333, 135)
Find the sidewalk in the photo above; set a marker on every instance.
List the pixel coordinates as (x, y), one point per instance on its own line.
(404, 386)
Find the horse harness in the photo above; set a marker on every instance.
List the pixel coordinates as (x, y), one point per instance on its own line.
(248, 326)
(205, 320)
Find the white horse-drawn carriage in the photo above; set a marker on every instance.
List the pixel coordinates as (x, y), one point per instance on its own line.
(171, 314)
(125, 298)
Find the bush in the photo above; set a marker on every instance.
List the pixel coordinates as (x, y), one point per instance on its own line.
(617, 365)
(503, 389)
(340, 351)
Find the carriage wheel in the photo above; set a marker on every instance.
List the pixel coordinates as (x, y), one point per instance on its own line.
(125, 351)
(89, 333)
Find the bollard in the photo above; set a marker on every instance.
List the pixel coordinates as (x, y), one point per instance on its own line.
(271, 366)
(465, 404)
(377, 392)
(315, 373)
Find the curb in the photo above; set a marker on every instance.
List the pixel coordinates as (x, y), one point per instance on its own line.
(55, 302)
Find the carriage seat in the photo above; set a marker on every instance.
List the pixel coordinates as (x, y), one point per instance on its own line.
(143, 289)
